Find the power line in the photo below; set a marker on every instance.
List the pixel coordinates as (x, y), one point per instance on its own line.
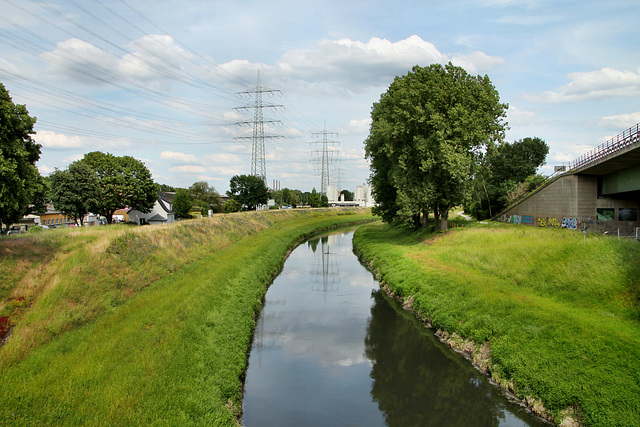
(324, 156)
(258, 162)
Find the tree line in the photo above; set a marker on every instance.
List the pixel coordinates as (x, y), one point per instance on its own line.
(102, 183)
(437, 140)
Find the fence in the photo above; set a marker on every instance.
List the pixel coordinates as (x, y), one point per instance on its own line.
(625, 139)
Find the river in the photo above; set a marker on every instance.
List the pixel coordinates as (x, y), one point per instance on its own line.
(331, 349)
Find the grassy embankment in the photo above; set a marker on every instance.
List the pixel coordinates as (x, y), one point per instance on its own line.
(147, 325)
(554, 319)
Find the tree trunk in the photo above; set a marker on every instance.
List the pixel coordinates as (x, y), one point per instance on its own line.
(436, 222)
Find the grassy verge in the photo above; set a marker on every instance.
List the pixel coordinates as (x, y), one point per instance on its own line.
(552, 318)
(150, 325)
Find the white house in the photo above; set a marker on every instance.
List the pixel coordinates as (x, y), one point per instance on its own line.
(162, 212)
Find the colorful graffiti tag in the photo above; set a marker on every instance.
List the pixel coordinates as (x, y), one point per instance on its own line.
(570, 223)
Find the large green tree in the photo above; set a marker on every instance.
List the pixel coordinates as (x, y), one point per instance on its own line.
(504, 171)
(248, 190)
(21, 186)
(425, 130)
(205, 197)
(183, 203)
(75, 191)
(124, 182)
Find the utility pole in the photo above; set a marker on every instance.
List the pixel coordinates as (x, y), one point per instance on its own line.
(258, 163)
(324, 156)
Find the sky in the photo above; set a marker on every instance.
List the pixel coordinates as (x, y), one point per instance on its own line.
(170, 83)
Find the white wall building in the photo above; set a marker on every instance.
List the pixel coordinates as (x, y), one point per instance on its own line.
(363, 196)
(332, 193)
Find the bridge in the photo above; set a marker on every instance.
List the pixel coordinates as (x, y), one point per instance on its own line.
(600, 189)
(617, 161)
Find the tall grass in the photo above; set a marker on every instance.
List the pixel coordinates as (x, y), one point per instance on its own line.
(560, 314)
(152, 327)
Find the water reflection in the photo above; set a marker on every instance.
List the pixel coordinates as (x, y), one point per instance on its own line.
(331, 349)
(325, 274)
(419, 382)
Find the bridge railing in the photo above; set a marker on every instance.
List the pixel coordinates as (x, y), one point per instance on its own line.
(625, 139)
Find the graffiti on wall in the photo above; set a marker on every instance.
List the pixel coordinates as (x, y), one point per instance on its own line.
(517, 219)
(570, 223)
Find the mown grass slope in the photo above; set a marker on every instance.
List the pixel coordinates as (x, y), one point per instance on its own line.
(561, 316)
(138, 326)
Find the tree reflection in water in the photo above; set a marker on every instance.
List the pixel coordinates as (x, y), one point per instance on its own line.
(417, 381)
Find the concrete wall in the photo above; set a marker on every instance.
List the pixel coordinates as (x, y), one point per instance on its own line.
(569, 202)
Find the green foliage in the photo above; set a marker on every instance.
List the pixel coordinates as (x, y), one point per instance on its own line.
(348, 195)
(314, 199)
(124, 181)
(205, 197)
(500, 173)
(20, 181)
(232, 205)
(75, 191)
(182, 203)
(561, 316)
(174, 354)
(248, 190)
(424, 132)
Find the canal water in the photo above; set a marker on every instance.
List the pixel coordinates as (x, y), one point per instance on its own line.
(331, 349)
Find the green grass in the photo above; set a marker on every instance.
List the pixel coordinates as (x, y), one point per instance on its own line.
(146, 350)
(561, 315)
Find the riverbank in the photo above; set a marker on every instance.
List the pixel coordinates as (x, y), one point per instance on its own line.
(551, 318)
(144, 325)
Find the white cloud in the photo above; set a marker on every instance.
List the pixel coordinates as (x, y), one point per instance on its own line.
(153, 59)
(188, 169)
(57, 141)
(8, 67)
(599, 84)
(620, 122)
(520, 117)
(476, 62)
(78, 59)
(225, 158)
(351, 66)
(356, 126)
(179, 158)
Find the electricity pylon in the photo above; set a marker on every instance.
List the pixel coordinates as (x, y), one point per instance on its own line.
(325, 157)
(258, 163)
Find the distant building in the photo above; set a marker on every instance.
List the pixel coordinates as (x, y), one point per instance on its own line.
(363, 196)
(54, 218)
(162, 212)
(332, 193)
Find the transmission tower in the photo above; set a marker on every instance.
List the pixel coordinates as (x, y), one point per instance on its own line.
(258, 163)
(325, 156)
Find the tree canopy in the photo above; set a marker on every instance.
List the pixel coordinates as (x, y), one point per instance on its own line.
(504, 172)
(21, 186)
(205, 197)
(75, 191)
(123, 181)
(182, 203)
(248, 190)
(425, 130)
